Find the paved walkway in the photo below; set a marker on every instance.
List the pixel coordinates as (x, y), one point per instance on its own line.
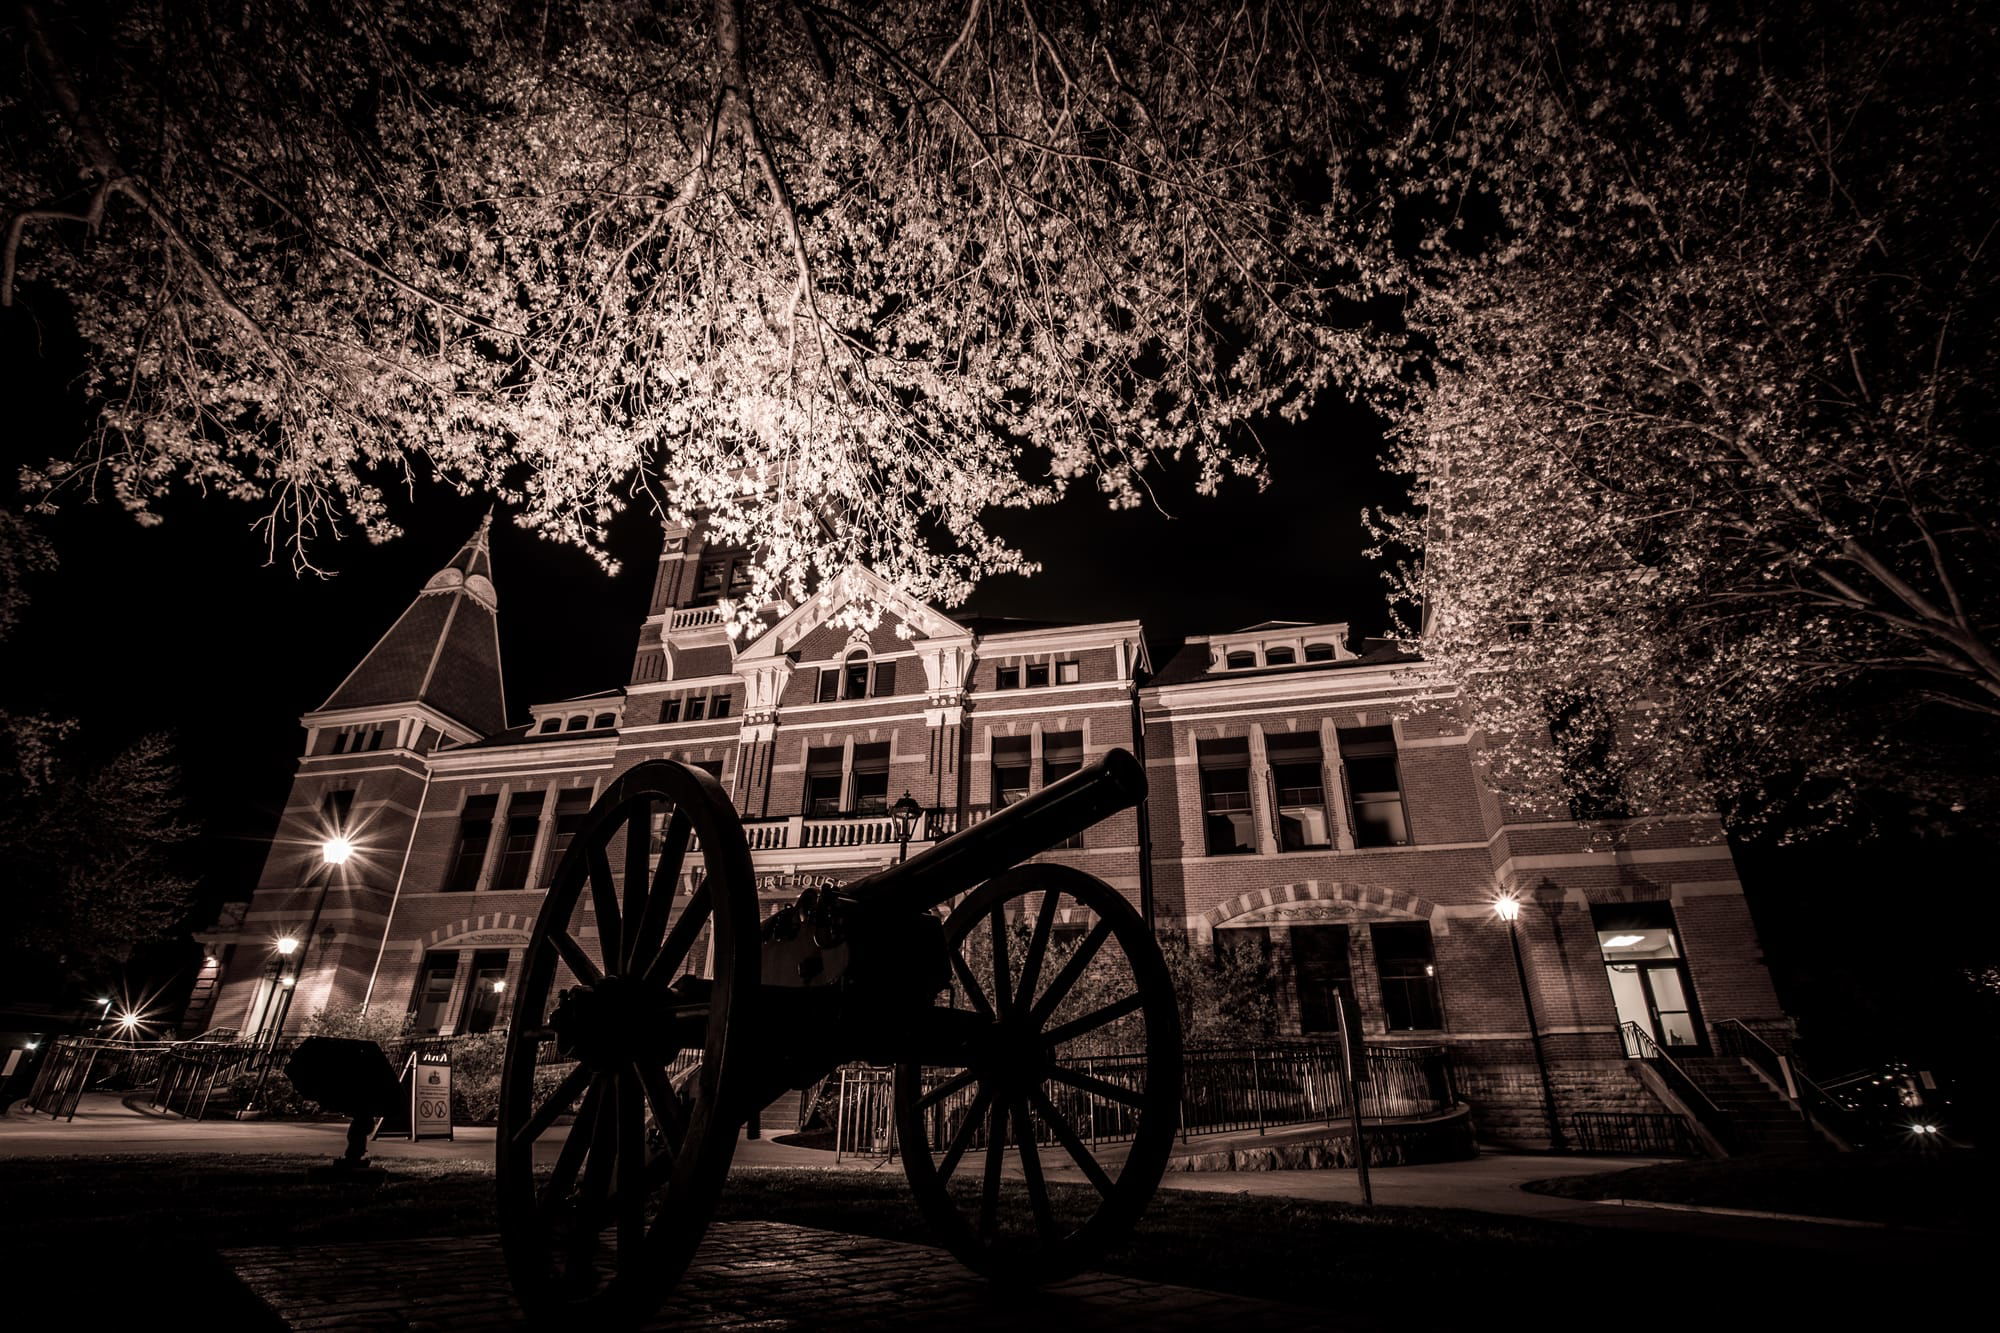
(764, 1276)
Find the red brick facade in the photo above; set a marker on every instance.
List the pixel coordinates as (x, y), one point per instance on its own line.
(821, 726)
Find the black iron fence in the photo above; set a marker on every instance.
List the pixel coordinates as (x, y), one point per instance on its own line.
(76, 1065)
(1227, 1088)
(1615, 1133)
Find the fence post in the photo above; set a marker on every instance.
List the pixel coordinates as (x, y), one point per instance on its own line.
(1256, 1090)
(839, 1111)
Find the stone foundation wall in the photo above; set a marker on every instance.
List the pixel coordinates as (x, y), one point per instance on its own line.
(1501, 1084)
(1447, 1138)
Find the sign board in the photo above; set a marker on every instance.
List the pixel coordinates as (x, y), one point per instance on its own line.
(430, 1093)
(425, 1113)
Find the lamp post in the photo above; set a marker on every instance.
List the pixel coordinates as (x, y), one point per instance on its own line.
(1508, 909)
(334, 852)
(905, 812)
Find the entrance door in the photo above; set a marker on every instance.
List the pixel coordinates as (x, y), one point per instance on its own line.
(1648, 975)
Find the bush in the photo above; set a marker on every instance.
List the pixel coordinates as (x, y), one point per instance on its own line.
(385, 1027)
(475, 1078)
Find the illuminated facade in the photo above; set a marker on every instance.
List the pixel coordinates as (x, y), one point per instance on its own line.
(1313, 799)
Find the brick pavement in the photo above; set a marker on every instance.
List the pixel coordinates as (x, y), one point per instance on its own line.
(765, 1276)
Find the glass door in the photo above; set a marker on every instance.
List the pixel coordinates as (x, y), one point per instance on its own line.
(1648, 976)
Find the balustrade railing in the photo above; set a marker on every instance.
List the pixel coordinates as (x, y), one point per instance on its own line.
(1818, 1107)
(1639, 1043)
(1646, 1133)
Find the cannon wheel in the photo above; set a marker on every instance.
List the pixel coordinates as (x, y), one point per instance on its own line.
(1035, 1088)
(603, 1225)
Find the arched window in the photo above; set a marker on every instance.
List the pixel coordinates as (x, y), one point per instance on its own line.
(1319, 652)
(603, 720)
(1236, 661)
(1278, 657)
(854, 675)
(550, 724)
(577, 723)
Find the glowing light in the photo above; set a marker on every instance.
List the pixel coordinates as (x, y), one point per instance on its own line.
(335, 850)
(128, 1020)
(1623, 941)
(1921, 1128)
(288, 982)
(105, 1001)
(34, 1045)
(287, 945)
(1507, 907)
(499, 986)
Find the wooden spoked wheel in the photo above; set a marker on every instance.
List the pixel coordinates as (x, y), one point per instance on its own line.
(1073, 1079)
(599, 1222)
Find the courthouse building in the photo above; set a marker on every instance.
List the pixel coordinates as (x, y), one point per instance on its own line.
(1313, 797)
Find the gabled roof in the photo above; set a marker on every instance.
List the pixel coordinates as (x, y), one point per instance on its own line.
(853, 583)
(444, 650)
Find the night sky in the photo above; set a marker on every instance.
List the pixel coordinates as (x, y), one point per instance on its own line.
(185, 625)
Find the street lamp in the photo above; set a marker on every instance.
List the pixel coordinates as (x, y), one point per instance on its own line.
(334, 852)
(905, 812)
(1508, 908)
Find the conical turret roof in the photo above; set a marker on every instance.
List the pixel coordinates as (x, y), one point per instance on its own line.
(443, 651)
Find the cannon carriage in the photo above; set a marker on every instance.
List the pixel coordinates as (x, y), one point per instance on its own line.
(681, 1025)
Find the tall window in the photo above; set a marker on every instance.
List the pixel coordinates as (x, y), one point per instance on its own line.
(670, 709)
(851, 679)
(336, 808)
(1374, 786)
(475, 830)
(1225, 796)
(1036, 675)
(517, 848)
(572, 808)
(871, 778)
(885, 678)
(1011, 758)
(720, 706)
(1301, 791)
(433, 993)
(1408, 969)
(487, 990)
(1062, 755)
(1321, 974)
(823, 780)
(697, 707)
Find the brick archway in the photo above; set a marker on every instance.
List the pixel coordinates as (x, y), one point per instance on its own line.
(1378, 902)
(515, 923)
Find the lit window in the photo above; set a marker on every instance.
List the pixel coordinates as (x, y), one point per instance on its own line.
(823, 780)
(1225, 797)
(487, 991)
(854, 677)
(1011, 755)
(1067, 673)
(1408, 972)
(1374, 786)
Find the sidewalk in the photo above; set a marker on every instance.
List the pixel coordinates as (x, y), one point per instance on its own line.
(746, 1276)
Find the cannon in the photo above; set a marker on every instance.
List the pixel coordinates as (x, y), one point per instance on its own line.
(1025, 1008)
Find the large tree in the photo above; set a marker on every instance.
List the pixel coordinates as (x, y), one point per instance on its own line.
(843, 277)
(1707, 479)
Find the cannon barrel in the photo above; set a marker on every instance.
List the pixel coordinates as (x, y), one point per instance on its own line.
(970, 857)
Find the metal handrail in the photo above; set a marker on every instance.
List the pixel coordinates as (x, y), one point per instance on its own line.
(1683, 1084)
(1823, 1112)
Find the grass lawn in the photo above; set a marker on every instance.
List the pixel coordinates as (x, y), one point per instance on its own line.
(1948, 1189)
(133, 1237)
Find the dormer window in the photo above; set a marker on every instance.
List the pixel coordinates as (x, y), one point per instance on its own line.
(603, 720)
(1319, 652)
(1240, 659)
(550, 724)
(1279, 657)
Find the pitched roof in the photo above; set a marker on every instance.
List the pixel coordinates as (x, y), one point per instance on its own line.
(444, 650)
